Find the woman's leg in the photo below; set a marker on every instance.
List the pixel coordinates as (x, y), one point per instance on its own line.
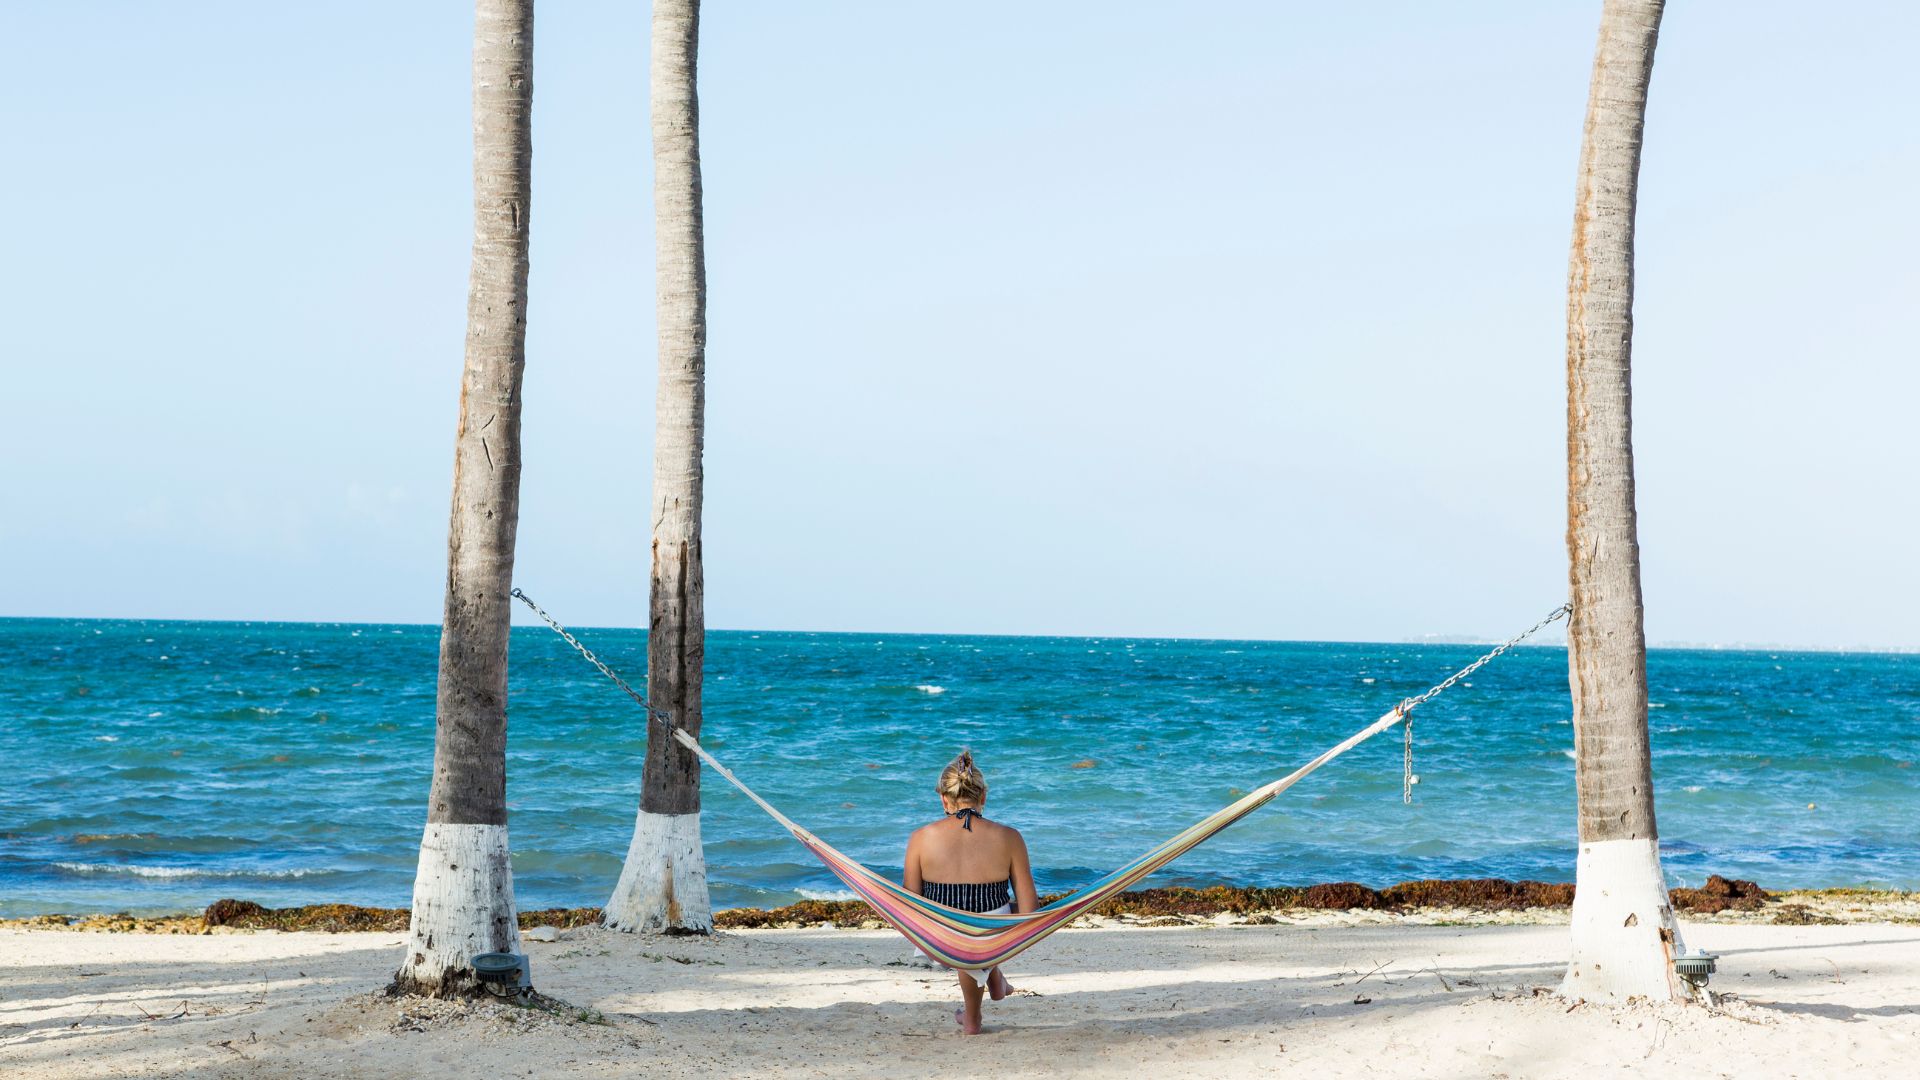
(997, 986)
(969, 1016)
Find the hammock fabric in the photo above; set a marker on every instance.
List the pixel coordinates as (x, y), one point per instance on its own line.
(974, 943)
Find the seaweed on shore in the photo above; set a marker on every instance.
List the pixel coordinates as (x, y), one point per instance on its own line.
(842, 913)
(247, 915)
(325, 918)
(338, 918)
(1480, 894)
(1718, 895)
(1473, 894)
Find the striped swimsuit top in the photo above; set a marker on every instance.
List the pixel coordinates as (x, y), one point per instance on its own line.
(971, 896)
(984, 896)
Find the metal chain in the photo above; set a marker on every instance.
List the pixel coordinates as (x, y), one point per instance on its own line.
(1407, 777)
(657, 714)
(1413, 703)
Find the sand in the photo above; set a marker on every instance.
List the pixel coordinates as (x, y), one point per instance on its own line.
(1315, 996)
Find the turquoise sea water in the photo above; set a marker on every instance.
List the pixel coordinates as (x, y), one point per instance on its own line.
(156, 766)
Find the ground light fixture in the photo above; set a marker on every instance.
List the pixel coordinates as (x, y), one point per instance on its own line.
(1695, 968)
(504, 974)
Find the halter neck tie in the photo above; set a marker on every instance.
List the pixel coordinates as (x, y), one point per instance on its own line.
(966, 814)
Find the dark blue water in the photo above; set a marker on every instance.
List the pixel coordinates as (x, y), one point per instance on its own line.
(156, 766)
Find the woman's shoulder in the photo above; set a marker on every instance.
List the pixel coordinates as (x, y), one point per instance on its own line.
(1007, 832)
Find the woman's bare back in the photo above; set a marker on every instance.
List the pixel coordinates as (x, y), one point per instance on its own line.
(949, 852)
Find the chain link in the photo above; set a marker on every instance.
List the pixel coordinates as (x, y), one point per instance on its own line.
(1405, 708)
(1413, 703)
(1407, 779)
(657, 714)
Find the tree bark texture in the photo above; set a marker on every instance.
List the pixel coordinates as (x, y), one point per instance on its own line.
(1606, 639)
(676, 623)
(1624, 933)
(671, 892)
(463, 890)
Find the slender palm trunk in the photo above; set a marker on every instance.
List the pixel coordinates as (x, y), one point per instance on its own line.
(1624, 931)
(664, 883)
(463, 892)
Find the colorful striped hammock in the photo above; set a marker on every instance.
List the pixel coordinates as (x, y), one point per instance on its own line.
(976, 943)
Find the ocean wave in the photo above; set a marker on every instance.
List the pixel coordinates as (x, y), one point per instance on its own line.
(245, 712)
(929, 688)
(185, 871)
(825, 894)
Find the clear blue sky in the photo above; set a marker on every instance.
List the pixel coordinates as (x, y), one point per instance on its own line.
(1240, 320)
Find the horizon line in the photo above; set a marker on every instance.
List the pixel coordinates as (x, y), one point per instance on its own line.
(1424, 639)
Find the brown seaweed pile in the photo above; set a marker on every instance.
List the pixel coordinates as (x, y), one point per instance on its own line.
(338, 918)
(1473, 894)
(326, 918)
(1719, 894)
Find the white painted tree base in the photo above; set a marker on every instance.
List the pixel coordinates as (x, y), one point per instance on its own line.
(462, 906)
(1620, 910)
(664, 883)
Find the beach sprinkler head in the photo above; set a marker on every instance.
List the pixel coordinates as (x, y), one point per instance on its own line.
(1695, 968)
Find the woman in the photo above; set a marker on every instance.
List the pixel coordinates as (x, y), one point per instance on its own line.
(967, 862)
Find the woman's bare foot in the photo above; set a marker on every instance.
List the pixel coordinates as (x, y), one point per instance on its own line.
(997, 985)
(960, 1017)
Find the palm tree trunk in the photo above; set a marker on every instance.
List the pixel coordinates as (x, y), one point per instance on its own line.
(463, 892)
(663, 885)
(1624, 931)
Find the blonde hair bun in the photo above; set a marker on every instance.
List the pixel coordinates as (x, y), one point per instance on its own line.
(962, 781)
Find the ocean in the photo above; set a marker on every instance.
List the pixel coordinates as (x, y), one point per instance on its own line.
(157, 766)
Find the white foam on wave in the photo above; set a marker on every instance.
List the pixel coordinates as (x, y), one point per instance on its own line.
(1571, 756)
(1693, 789)
(929, 688)
(182, 871)
(826, 894)
(1369, 682)
(106, 738)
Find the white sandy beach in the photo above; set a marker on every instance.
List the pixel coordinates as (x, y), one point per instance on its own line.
(1321, 997)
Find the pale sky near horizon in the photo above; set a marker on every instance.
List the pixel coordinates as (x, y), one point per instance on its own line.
(1241, 321)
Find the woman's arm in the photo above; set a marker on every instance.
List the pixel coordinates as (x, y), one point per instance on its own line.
(1025, 898)
(911, 878)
